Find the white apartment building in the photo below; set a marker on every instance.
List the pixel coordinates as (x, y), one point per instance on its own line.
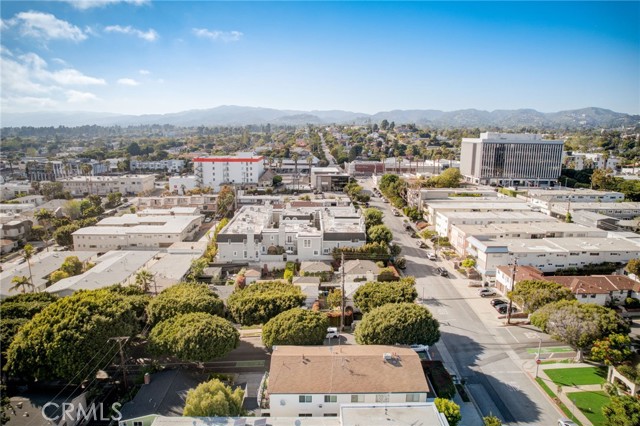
(136, 231)
(511, 159)
(623, 210)
(10, 190)
(545, 197)
(550, 254)
(315, 381)
(243, 169)
(586, 160)
(180, 184)
(103, 185)
(446, 219)
(263, 233)
(204, 202)
(459, 234)
(41, 168)
(172, 166)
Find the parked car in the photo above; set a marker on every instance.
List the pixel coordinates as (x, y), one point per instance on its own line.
(496, 302)
(431, 256)
(442, 272)
(413, 234)
(502, 309)
(332, 332)
(484, 292)
(566, 422)
(208, 219)
(396, 212)
(422, 244)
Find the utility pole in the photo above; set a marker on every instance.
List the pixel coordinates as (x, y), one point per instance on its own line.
(538, 356)
(342, 295)
(513, 287)
(121, 349)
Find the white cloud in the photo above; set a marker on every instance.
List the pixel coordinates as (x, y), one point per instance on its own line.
(76, 97)
(73, 77)
(45, 26)
(128, 82)
(150, 35)
(144, 72)
(88, 4)
(226, 36)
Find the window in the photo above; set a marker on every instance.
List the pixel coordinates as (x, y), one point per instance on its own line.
(331, 398)
(413, 397)
(315, 252)
(137, 423)
(357, 398)
(304, 415)
(330, 414)
(304, 399)
(382, 397)
(306, 243)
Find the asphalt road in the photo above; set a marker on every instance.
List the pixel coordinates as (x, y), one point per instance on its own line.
(489, 356)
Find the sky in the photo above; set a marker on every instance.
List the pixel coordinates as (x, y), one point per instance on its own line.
(148, 57)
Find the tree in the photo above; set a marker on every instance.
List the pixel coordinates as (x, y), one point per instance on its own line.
(277, 180)
(372, 217)
(375, 294)
(21, 283)
(491, 421)
(380, 234)
(603, 179)
(633, 267)
(72, 209)
(296, 326)
(197, 268)
(334, 299)
(63, 235)
(134, 149)
(258, 303)
(72, 266)
(402, 323)
(83, 321)
(450, 178)
(578, 324)
(532, 295)
(27, 254)
(144, 279)
(184, 298)
(622, 411)
(468, 263)
(113, 199)
(53, 191)
(196, 336)
(225, 204)
(57, 276)
(611, 350)
(214, 399)
(450, 409)
(384, 125)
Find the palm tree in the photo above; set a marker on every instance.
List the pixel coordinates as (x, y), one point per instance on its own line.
(44, 217)
(86, 170)
(309, 162)
(27, 255)
(144, 279)
(20, 283)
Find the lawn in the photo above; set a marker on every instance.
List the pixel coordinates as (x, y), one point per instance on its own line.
(563, 407)
(590, 403)
(577, 376)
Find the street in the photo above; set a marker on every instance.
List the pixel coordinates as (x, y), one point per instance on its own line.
(489, 356)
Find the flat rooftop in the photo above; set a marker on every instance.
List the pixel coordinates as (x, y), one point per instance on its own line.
(520, 216)
(536, 193)
(134, 224)
(533, 228)
(458, 203)
(559, 245)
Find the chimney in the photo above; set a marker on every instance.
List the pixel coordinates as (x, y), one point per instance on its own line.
(147, 378)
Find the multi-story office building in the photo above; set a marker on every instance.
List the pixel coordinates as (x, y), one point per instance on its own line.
(243, 169)
(39, 168)
(511, 159)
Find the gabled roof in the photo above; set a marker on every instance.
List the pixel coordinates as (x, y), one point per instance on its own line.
(311, 267)
(359, 266)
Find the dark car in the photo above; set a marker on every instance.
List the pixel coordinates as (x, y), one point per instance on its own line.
(414, 235)
(502, 309)
(442, 272)
(496, 302)
(422, 244)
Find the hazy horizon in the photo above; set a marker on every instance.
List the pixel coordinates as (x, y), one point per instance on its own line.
(140, 57)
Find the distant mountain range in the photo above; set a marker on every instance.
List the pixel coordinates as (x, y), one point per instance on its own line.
(239, 115)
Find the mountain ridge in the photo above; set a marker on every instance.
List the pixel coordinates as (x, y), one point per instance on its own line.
(225, 115)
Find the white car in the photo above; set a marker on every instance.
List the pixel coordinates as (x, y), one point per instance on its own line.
(484, 292)
(332, 332)
(431, 255)
(566, 422)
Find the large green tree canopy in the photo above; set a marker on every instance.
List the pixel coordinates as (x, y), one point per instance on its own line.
(402, 323)
(296, 326)
(69, 339)
(532, 295)
(258, 303)
(213, 399)
(184, 298)
(196, 336)
(374, 294)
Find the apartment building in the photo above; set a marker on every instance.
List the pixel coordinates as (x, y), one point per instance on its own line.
(41, 168)
(543, 198)
(587, 160)
(446, 219)
(171, 166)
(315, 381)
(550, 254)
(281, 232)
(204, 202)
(506, 159)
(137, 231)
(181, 184)
(326, 179)
(103, 185)
(243, 169)
(10, 190)
(459, 234)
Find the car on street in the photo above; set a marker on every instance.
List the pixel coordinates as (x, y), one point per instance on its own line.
(566, 422)
(502, 309)
(442, 272)
(431, 256)
(396, 212)
(496, 302)
(422, 244)
(208, 219)
(332, 332)
(413, 234)
(485, 292)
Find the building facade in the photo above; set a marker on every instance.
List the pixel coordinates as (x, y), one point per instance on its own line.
(172, 166)
(511, 160)
(244, 170)
(103, 185)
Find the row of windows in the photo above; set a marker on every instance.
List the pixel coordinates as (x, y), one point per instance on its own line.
(359, 398)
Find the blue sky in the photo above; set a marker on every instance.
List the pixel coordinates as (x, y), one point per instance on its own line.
(142, 57)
